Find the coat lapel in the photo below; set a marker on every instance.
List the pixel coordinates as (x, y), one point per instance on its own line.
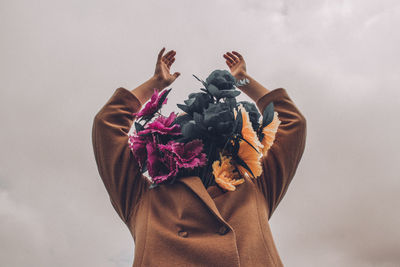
(195, 184)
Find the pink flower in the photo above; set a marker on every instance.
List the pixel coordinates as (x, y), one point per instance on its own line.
(160, 169)
(186, 155)
(163, 161)
(168, 170)
(145, 148)
(162, 125)
(154, 105)
(137, 144)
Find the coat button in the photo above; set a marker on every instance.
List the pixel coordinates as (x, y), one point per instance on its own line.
(183, 233)
(223, 230)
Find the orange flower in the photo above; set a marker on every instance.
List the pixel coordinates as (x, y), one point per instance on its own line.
(269, 132)
(224, 175)
(250, 156)
(223, 170)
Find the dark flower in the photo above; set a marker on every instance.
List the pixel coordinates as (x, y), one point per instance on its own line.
(218, 94)
(182, 119)
(191, 130)
(214, 123)
(222, 79)
(196, 102)
(218, 118)
(220, 84)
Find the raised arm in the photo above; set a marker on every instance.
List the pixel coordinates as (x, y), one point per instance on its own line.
(281, 161)
(117, 167)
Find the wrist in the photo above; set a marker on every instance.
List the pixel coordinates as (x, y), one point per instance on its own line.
(241, 75)
(158, 82)
(144, 91)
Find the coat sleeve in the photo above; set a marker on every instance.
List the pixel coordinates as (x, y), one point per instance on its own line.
(280, 162)
(117, 167)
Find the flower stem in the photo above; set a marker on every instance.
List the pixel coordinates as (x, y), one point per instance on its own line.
(211, 160)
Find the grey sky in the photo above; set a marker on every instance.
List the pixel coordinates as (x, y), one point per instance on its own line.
(62, 60)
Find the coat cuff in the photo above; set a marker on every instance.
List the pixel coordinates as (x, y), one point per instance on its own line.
(271, 96)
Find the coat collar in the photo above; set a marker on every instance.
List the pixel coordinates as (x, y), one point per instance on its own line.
(195, 184)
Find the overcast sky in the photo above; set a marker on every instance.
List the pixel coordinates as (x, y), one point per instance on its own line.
(60, 61)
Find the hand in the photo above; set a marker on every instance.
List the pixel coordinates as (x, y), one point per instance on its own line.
(236, 64)
(162, 72)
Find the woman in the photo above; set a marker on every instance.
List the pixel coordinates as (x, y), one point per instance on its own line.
(187, 224)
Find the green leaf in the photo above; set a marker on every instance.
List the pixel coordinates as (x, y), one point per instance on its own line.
(236, 146)
(146, 135)
(138, 127)
(248, 143)
(154, 185)
(238, 125)
(228, 93)
(268, 115)
(144, 167)
(163, 98)
(200, 80)
(213, 90)
(244, 165)
(184, 108)
(231, 102)
(189, 101)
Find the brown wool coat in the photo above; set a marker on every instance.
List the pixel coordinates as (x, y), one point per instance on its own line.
(185, 224)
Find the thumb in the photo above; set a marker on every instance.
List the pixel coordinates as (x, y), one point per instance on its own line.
(177, 74)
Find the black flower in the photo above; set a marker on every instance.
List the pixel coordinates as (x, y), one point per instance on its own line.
(218, 120)
(214, 123)
(222, 79)
(196, 102)
(220, 83)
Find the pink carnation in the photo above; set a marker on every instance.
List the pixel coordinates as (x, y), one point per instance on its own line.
(137, 144)
(162, 125)
(160, 169)
(186, 155)
(151, 107)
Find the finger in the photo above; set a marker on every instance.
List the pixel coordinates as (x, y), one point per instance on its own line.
(233, 56)
(168, 59)
(230, 65)
(160, 53)
(170, 54)
(170, 62)
(228, 58)
(177, 74)
(238, 55)
(165, 60)
(165, 57)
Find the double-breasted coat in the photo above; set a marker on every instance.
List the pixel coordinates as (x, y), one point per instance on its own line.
(186, 224)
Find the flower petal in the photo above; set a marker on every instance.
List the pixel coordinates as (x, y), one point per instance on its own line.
(269, 132)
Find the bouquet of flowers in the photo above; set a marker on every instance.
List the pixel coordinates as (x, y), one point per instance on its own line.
(214, 132)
